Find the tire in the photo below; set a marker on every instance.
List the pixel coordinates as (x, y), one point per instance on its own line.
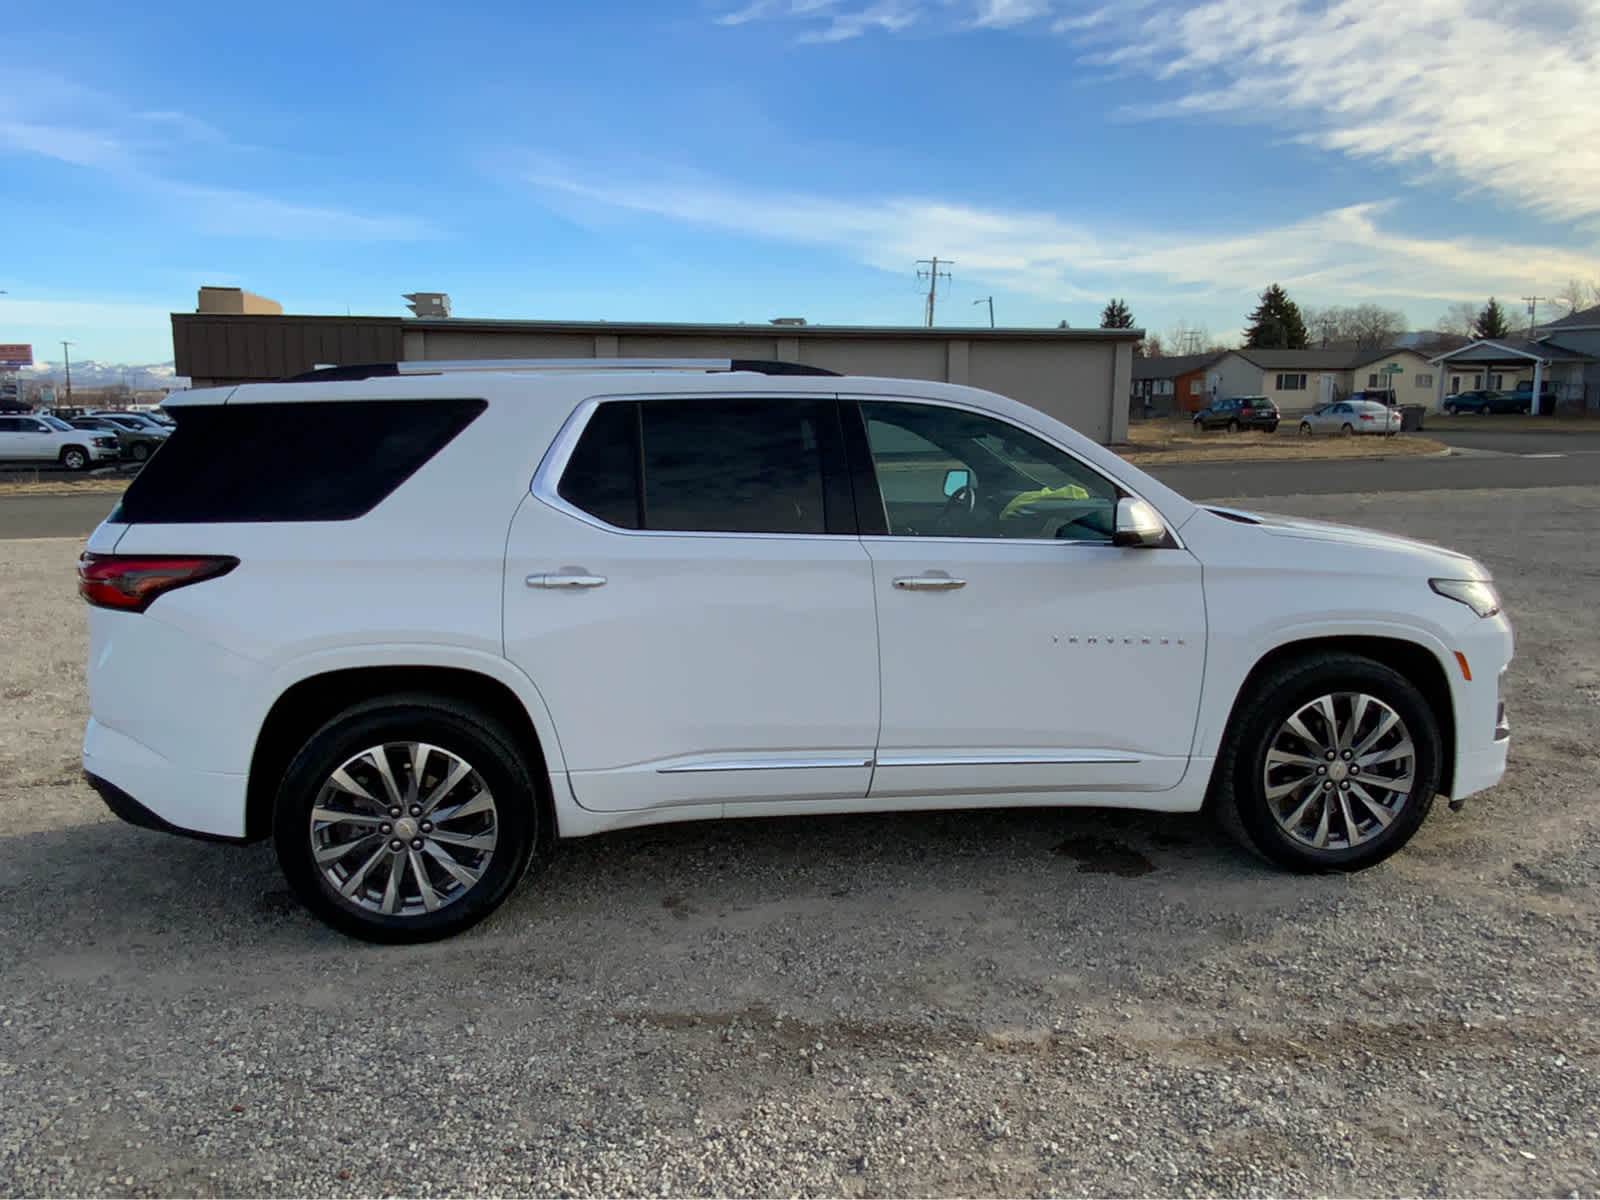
(1233, 426)
(139, 451)
(1199, 425)
(1284, 829)
(483, 874)
(75, 458)
(1272, 428)
(1305, 429)
(1449, 410)
(1346, 429)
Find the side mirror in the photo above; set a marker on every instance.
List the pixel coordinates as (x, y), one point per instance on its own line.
(955, 479)
(1138, 524)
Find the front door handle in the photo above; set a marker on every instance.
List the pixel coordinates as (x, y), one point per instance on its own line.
(929, 583)
(565, 581)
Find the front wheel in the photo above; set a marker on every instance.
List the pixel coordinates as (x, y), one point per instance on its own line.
(1450, 410)
(139, 452)
(1331, 764)
(75, 458)
(406, 819)
(1233, 426)
(1305, 428)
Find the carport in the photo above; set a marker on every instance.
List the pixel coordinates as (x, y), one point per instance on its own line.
(1558, 373)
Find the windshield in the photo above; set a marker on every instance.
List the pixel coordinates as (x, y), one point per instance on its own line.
(55, 423)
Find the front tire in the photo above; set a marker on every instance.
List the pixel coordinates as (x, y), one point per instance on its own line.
(139, 452)
(1305, 429)
(1331, 763)
(75, 458)
(1233, 426)
(1449, 410)
(406, 819)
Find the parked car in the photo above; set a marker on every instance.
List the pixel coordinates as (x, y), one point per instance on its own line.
(1346, 417)
(1239, 412)
(1485, 402)
(130, 420)
(558, 601)
(42, 439)
(133, 443)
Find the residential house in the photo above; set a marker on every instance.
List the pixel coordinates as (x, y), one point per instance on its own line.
(1299, 380)
(1561, 362)
(1170, 384)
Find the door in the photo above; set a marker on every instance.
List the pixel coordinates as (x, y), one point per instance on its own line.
(1019, 649)
(33, 440)
(10, 438)
(687, 590)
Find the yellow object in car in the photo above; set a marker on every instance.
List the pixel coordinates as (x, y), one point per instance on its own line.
(1070, 491)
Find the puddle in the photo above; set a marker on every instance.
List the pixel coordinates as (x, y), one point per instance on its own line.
(1101, 856)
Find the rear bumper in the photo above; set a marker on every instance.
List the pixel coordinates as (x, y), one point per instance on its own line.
(141, 786)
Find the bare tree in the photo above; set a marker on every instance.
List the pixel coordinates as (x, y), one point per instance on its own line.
(1152, 346)
(1374, 328)
(1184, 338)
(1323, 325)
(1460, 319)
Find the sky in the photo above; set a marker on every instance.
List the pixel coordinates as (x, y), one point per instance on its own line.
(730, 160)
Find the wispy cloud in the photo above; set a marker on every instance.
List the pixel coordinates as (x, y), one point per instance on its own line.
(50, 117)
(1340, 254)
(1498, 94)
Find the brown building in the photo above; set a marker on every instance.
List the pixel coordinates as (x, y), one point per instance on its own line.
(236, 301)
(1080, 376)
(1170, 385)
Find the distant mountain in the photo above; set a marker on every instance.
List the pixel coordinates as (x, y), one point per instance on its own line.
(90, 374)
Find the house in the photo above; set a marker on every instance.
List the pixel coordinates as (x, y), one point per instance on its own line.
(1169, 384)
(1561, 362)
(1299, 380)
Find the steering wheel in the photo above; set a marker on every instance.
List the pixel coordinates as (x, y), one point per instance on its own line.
(963, 501)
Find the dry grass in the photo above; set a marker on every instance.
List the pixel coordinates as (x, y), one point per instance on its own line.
(1157, 442)
(34, 484)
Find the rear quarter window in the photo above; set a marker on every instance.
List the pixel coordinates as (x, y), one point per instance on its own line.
(332, 461)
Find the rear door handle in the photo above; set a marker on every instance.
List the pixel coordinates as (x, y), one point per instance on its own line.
(929, 583)
(565, 581)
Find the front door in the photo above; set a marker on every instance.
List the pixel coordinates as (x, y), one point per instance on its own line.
(1020, 650)
(688, 592)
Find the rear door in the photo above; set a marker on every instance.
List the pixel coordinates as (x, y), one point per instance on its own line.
(686, 588)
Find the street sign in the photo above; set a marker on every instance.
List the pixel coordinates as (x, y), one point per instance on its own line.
(1391, 369)
(16, 354)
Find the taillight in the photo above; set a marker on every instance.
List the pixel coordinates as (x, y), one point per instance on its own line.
(131, 582)
(1367, 417)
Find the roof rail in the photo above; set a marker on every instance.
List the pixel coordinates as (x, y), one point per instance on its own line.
(456, 366)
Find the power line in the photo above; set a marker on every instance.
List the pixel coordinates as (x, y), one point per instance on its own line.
(933, 275)
(1533, 308)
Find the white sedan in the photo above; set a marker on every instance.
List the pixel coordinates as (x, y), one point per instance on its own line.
(1346, 417)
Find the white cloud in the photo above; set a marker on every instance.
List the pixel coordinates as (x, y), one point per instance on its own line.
(1003, 14)
(1499, 95)
(890, 16)
(53, 118)
(1342, 254)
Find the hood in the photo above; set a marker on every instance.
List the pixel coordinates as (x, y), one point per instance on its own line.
(1463, 566)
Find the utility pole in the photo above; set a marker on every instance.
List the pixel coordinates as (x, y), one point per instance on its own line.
(932, 275)
(989, 300)
(1533, 308)
(66, 361)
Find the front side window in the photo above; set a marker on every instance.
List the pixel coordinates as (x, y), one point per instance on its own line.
(944, 472)
(722, 465)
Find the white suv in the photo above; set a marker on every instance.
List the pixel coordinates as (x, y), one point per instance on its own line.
(414, 626)
(25, 438)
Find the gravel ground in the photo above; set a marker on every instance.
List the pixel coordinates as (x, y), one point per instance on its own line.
(1012, 1002)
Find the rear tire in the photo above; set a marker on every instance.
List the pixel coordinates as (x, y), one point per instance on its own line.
(1346, 429)
(446, 874)
(1281, 809)
(1272, 428)
(1233, 426)
(75, 458)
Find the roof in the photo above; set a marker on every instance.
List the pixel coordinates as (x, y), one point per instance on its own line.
(1170, 366)
(976, 333)
(1487, 350)
(1583, 318)
(1317, 359)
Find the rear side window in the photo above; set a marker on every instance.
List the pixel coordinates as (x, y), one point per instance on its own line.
(725, 465)
(289, 462)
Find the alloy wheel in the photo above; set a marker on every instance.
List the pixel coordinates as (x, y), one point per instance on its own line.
(404, 828)
(1339, 771)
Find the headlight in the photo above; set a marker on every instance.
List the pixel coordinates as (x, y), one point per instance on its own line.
(1477, 594)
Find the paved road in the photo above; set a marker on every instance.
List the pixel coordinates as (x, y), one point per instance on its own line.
(1520, 441)
(1475, 468)
(53, 516)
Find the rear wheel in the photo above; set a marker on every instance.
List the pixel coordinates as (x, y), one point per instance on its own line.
(1331, 764)
(1233, 426)
(1272, 427)
(74, 458)
(406, 819)
(1346, 429)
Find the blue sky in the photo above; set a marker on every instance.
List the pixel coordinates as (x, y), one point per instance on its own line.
(723, 160)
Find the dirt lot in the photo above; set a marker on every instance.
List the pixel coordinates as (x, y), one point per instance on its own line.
(1154, 443)
(1002, 1003)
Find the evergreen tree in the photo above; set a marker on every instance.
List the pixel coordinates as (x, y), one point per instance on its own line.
(1491, 322)
(1116, 315)
(1276, 323)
